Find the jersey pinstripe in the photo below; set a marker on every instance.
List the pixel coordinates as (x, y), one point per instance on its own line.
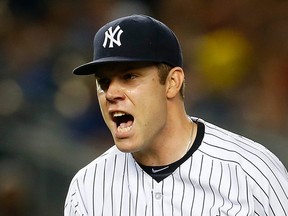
(227, 175)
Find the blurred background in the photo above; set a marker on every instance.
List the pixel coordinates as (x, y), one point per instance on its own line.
(236, 63)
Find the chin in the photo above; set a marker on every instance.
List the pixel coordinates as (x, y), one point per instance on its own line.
(126, 147)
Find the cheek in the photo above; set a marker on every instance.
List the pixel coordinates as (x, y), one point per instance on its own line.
(154, 103)
(102, 104)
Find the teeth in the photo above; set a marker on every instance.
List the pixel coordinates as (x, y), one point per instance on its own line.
(117, 114)
(124, 129)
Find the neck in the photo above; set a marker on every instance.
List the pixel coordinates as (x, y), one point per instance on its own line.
(177, 138)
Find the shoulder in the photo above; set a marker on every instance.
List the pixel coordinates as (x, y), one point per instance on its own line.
(224, 141)
(252, 157)
(106, 158)
(226, 146)
(263, 173)
(82, 185)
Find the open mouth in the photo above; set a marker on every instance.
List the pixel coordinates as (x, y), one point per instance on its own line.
(123, 121)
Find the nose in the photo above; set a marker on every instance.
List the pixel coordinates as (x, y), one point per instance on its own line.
(115, 91)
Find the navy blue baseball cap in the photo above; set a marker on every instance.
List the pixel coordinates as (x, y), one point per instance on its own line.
(135, 38)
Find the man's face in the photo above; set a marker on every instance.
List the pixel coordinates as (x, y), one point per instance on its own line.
(133, 104)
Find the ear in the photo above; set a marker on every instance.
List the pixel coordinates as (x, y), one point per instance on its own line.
(174, 81)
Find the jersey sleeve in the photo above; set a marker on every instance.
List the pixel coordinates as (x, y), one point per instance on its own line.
(269, 185)
(75, 199)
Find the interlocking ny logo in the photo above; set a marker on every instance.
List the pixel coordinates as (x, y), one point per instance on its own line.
(110, 34)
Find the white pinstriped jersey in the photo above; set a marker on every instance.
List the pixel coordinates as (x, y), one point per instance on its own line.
(227, 175)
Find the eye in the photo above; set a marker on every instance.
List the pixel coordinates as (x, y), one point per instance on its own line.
(103, 83)
(129, 76)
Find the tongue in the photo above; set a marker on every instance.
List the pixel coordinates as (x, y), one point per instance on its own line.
(125, 124)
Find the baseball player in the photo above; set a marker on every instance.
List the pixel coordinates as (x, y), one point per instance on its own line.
(165, 162)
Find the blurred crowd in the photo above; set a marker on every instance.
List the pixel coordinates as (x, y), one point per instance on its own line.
(236, 63)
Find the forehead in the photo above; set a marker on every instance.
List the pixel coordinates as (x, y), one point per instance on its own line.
(115, 68)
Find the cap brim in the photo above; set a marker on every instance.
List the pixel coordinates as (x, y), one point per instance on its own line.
(86, 69)
(91, 67)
